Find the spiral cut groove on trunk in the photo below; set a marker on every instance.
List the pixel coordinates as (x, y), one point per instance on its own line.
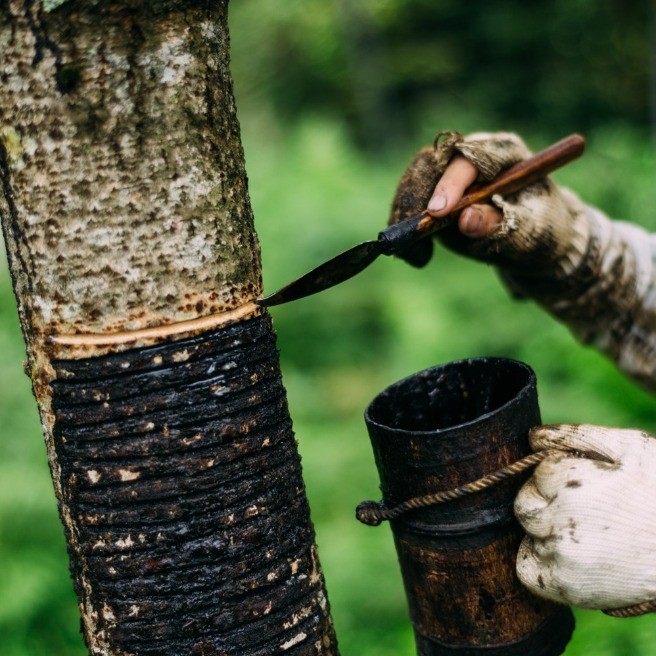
(183, 480)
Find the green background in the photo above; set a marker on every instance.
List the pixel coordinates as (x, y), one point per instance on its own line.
(334, 97)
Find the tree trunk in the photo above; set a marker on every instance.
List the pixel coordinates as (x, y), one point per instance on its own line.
(126, 215)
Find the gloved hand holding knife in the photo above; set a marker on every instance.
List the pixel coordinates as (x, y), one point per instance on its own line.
(402, 236)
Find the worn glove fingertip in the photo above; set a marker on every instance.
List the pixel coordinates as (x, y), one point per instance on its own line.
(527, 565)
(545, 436)
(418, 254)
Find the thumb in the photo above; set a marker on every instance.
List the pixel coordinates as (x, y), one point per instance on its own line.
(595, 442)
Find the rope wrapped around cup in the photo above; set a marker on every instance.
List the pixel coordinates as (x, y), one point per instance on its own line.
(436, 436)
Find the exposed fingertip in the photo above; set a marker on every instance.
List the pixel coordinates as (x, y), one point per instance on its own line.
(472, 222)
(437, 202)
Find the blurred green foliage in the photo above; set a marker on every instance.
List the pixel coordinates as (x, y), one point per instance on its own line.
(382, 65)
(543, 69)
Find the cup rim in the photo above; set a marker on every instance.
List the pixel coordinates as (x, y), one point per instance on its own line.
(531, 382)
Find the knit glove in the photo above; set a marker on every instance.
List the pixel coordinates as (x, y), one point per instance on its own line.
(596, 275)
(543, 232)
(589, 512)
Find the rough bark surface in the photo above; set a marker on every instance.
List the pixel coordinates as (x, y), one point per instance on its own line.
(124, 205)
(122, 166)
(183, 481)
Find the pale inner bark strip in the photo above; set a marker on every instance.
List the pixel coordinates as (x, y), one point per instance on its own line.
(191, 325)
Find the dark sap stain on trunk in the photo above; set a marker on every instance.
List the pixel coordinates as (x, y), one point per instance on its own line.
(181, 470)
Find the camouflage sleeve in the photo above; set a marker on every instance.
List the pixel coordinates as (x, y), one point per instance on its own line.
(594, 274)
(608, 298)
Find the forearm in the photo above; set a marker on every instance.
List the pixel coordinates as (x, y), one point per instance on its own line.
(603, 289)
(594, 274)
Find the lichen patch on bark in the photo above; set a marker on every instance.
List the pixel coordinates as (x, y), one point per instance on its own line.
(129, 187)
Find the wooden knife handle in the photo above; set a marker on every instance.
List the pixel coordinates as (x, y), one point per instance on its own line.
(401, 235)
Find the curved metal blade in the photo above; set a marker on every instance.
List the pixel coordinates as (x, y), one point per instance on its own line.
(326, 275)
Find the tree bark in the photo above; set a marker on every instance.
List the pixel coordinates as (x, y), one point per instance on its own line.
(129, 231)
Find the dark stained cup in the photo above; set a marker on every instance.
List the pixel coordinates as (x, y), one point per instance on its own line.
(434, 431)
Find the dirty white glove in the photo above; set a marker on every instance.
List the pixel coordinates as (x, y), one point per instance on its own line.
(590, 517)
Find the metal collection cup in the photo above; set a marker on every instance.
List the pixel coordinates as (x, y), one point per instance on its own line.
(436, 430)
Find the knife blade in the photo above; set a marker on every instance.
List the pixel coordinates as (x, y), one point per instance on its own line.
(396, 238)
